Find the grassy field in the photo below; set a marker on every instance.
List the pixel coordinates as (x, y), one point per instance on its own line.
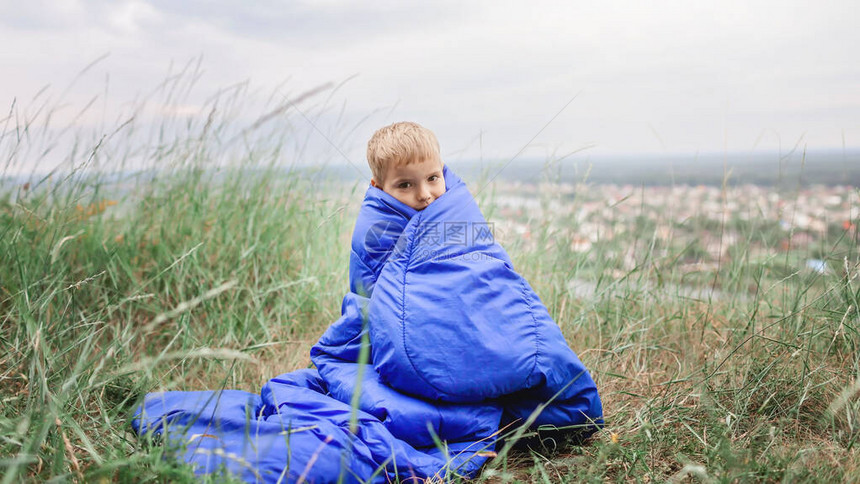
(738, 365)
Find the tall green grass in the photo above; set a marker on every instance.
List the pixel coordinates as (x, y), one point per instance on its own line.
(194, 285)
(188, 253)
(168, 260)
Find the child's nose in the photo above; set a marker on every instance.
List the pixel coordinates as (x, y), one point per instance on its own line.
(424, 194)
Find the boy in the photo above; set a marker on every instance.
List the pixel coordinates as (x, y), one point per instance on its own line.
(449, 318)
(405, 161)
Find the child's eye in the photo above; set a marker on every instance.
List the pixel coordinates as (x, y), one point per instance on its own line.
(433, 178)
(403, 185)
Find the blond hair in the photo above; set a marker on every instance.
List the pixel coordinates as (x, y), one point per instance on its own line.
(400, 143)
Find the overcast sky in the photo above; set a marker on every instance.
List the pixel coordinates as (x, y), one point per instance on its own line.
(645, 77)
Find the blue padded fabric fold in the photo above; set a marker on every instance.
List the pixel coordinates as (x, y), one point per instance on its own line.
(460, 345)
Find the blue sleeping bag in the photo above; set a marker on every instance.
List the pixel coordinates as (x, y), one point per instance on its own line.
(460, 346)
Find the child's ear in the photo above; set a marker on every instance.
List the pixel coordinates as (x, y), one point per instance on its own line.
(373, 183)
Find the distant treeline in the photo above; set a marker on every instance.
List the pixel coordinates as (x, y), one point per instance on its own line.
(787, 171)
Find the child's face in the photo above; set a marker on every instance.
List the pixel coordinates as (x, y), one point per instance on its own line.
(416, 184)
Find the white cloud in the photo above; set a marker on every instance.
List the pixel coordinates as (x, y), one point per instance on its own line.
(131, 17)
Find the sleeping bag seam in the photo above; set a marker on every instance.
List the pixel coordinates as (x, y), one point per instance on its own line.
(536, 332)
(411, 248)
(403, 301)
